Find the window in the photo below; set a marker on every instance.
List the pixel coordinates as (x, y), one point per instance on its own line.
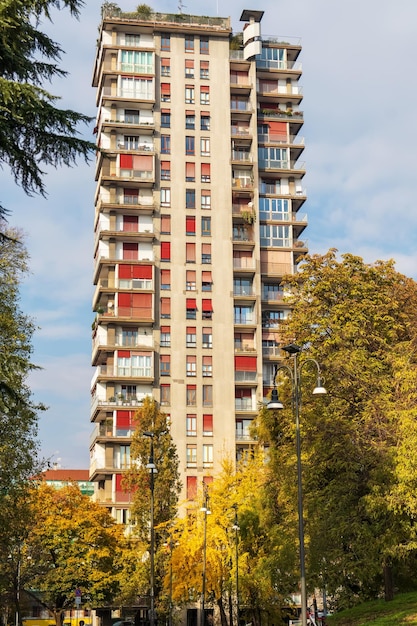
(165, 336)
(205, 173)
(204, 45)
(165, 308)
(190, 252)
(191, 455)
(205, 226)
(165, 67)
(130, 251)
(272, 319)
(165, 365)
(189, 68)
(205, 121)
(165, 144)
(207, 455)
(242, 287)
(165, 170)
(190, 172)
(191, 487)
(189, 94)
(190, 280)
(205, 146)
(204, 70)
(207, 395)
(191, 309)
(190, 198)
(206, 281)
(165, 42)
(132, 40)
(137, 88)
(207, 366)
(137, 61)
(165, 279)
(189, 43)
(190, 225)
(191, 337)
(206, 199)
(165, 118)
(274, 209)
(206, 253)
(131, 142)
(275, 236)
(273, 157)
(191, 425)
(191, 365)
(165, 391)
(129, 337)
(165, 251)
(189, 145)
(191, 395)
(165, 92)
(165, 224)
(272, 291)
(207, 309)
(190, 120)
(243, 315)
(204, 94)
(207, 425)
(165, 196)
(207, 338)
(131, 116)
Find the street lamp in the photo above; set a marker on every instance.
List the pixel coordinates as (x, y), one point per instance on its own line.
(204, 509)
(151, 467)
(319, 390)
(236, 529)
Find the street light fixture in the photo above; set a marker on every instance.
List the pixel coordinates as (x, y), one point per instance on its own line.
(236, 529)
(275, 404)
(151, 467)
(204, 509)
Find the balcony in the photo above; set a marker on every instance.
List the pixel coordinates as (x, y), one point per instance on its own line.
(244, 404)
(244, 320)
(285, 164)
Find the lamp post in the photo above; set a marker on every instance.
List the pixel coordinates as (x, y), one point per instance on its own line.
(236, 529)
(152, 472)
(204, 509)
(295, 376)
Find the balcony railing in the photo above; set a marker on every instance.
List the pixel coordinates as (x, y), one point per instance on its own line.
(243, 404)
(245, 377)
(129, 94)
(244, 320)
(294, 66)
(243, 436)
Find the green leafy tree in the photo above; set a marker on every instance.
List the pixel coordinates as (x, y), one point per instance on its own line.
(19, 460)
(33, 130)
(151, 435)
(358, 321)
(74, 544)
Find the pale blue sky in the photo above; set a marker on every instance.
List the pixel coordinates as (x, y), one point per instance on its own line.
(360, 103)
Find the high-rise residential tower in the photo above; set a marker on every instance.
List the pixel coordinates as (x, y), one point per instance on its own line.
(199, 187)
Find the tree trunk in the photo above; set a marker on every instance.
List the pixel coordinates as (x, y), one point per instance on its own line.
(223, 616)
(388, 582)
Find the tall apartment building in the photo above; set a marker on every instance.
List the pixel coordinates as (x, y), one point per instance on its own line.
(199, 188)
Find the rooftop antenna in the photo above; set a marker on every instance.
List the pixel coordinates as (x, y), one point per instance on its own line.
(181, 6)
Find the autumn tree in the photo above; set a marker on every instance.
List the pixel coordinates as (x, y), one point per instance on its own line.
(358, 321)
(151, 440)
(34, 132)
(264, 586)
(74, 544)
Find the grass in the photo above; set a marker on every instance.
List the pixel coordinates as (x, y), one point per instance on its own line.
(402, 611)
